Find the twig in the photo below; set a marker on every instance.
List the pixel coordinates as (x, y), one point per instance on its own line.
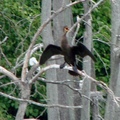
(38, 46)
(89, 11)
(3, 85)
(73, 89)
(2, 76)
(98, 56)
(4, 40)
(78, 26)
(39, 104)
(5, 57)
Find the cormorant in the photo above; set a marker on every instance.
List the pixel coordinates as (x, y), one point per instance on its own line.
(69, 52)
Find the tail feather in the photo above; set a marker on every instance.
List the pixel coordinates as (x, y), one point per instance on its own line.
(79, 67)
(73, 73)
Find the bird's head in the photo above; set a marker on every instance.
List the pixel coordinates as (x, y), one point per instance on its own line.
(65, 29)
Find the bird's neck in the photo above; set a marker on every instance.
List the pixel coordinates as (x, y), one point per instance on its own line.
(64, 42)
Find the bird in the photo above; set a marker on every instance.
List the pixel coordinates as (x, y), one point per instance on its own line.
(69, 53)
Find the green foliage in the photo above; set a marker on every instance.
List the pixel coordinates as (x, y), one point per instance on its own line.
(101, 27)
(37, 95)
(78, 10)
(3, 113)
(10, 106)
(19, 20)
(102, 37)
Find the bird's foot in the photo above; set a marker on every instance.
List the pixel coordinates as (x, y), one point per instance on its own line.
(62, 66)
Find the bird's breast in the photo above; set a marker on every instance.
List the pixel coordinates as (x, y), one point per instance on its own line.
(66, 51)
(68, 56)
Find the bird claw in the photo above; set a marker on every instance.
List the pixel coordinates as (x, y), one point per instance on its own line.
(62, 66)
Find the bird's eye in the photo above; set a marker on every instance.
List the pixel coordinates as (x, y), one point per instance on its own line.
(66, 29)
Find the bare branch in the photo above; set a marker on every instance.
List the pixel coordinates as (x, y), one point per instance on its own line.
(39, 104)
(36, 47)
(4, 40)
(9, 74)
(5, 57)
(98, 83)
(78, 26)
(69, 86)
(100, 58)
(3, 85)
(89, 11)
(2, 76)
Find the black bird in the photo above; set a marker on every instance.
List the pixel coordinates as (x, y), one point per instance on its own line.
(69, 52)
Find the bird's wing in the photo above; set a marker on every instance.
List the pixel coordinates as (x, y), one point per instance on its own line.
(82, 51)
(48, 52)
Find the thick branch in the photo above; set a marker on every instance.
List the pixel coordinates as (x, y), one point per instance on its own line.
(9, 74)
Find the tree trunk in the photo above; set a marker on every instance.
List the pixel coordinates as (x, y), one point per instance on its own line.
(112, 111)
(57, 94)
(58, 23)
(52, 91)
(25, 94)
(87, 64)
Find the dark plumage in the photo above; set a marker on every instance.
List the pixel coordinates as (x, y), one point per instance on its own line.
(48, 52)
(69, 52)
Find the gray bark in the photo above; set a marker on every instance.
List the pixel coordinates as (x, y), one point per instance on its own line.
(95, 105)
(95, 108)
(58, 22)
(112, 111)
(87, 65)
(52, 91)
(25, 94)
(57, 94)
(77, 101)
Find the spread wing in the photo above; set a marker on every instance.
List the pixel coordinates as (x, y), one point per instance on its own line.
(48, 52)
(82, 51)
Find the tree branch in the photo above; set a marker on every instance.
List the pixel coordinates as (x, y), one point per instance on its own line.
(4, 40)
(9, 74)
(90, 10)
(77, 29)
(98, 83)
(39, 104)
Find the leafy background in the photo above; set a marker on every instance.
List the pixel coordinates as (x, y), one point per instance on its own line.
(19, 20)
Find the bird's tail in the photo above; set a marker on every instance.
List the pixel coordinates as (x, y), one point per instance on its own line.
(73, 73)
(79, 67)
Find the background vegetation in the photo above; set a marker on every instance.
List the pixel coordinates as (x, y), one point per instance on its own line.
(19, 20)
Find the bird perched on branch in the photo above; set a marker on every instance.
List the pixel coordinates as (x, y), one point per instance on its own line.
(69, 52)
